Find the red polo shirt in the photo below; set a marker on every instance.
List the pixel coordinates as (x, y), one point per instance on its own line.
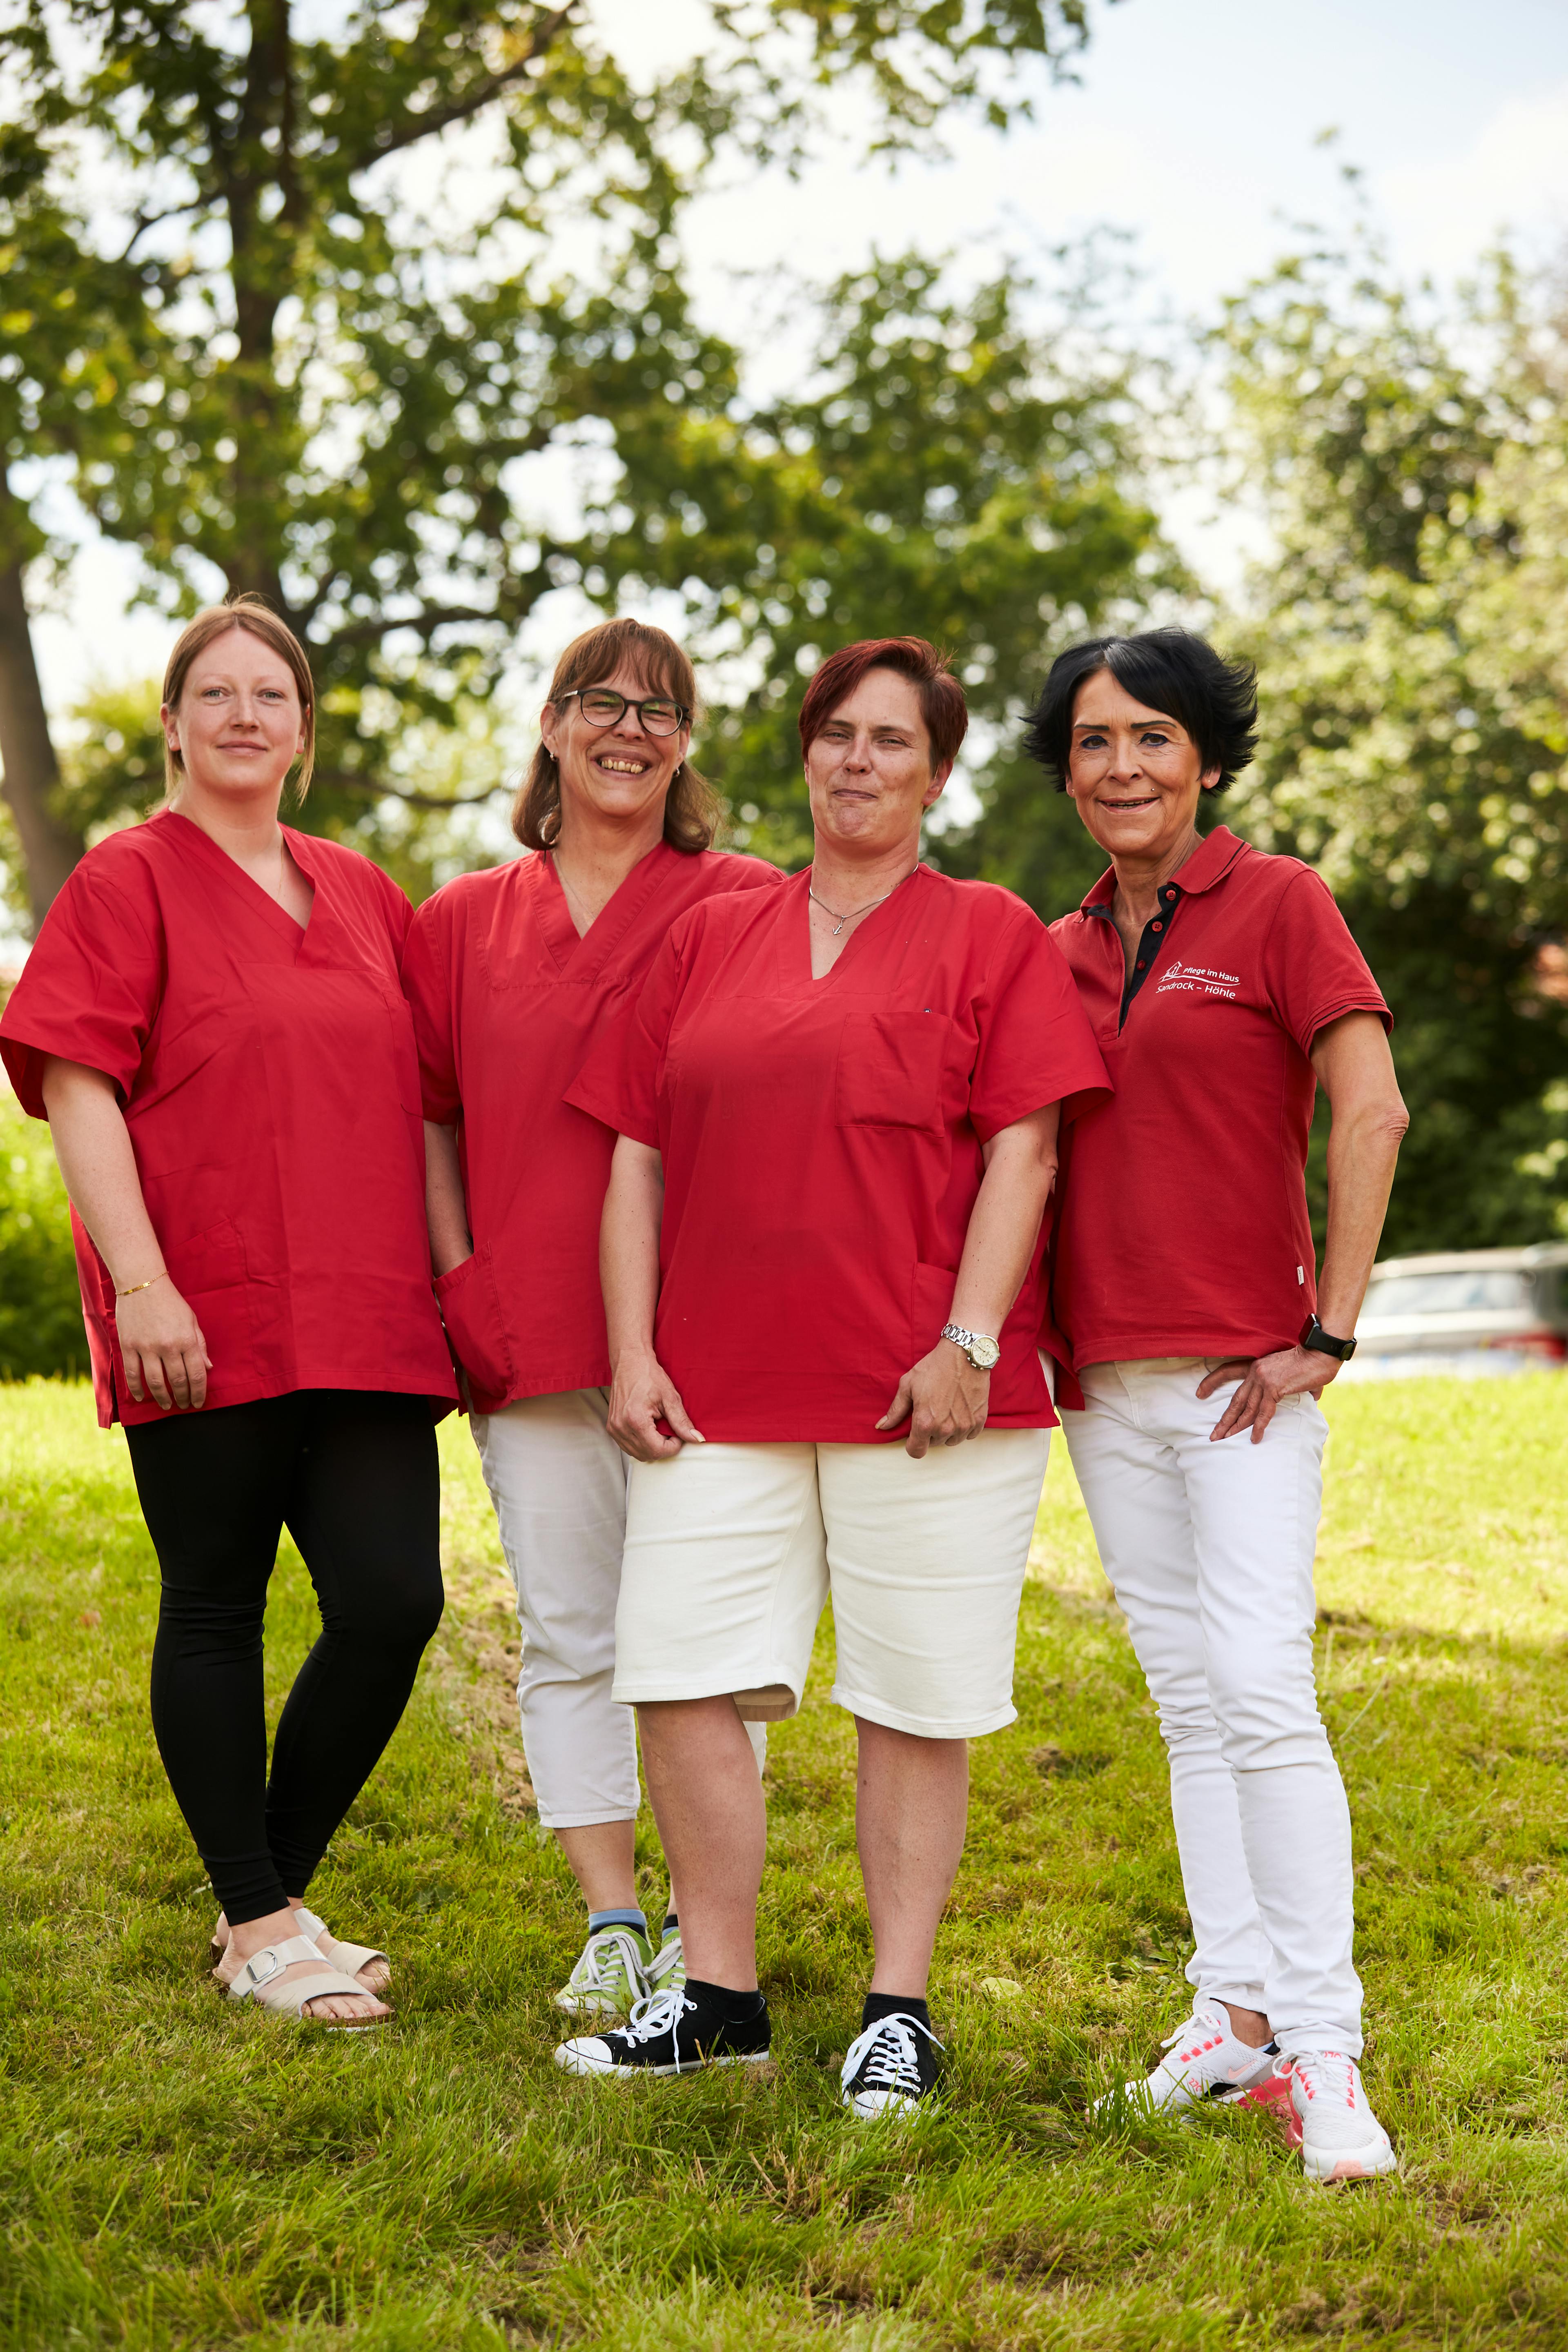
(506, 1000)
(1183, 1226)
(821, 1142)
(268, 1078)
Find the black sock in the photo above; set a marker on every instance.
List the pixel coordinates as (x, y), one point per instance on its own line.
(734, 2007)
(885, 2004)
(671, 1923)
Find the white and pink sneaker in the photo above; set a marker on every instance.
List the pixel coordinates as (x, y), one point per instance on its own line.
(1205, 2063)
(1321, 2103)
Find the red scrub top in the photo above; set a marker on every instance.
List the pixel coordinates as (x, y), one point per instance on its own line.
(269, 1082)
(821, 1142)
(506, 1000)
(1183, 1229)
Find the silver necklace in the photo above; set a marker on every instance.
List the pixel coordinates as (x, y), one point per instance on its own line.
(854, 912)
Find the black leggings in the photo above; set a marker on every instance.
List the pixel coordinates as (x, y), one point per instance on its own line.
(354, 1477)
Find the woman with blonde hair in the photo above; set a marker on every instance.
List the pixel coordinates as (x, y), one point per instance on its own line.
(512, 975)
(212, 1024)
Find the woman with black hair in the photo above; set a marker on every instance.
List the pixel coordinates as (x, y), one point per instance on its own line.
(1223, 987)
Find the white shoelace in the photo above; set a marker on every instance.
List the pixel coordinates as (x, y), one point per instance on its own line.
(595, 1975)
(669, 1955)
(1197, 2027)
(1332, 2076)
(896, 2067)
(657, 2013)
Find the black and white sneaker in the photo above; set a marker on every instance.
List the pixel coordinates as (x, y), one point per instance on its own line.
(669, 2033)
(891, 2067)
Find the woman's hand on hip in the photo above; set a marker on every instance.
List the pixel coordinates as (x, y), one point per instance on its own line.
(944, 1399)
(165, 1353)
(1263, 1382)
(641, 1395)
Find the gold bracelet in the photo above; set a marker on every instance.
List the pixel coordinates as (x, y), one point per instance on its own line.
(132, 1288)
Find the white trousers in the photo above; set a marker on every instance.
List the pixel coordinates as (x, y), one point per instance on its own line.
(1209, 1547)
(558, 1481)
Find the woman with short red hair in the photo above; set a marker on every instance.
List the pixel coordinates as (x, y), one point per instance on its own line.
(838, 1106)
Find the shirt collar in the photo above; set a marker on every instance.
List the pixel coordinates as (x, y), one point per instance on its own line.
(1209, 863)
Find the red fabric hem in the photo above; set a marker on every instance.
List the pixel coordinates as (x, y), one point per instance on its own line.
(538, 1384)
(1359, 1002)
(130, 1415)
(1137, 1347)
(770, 1434)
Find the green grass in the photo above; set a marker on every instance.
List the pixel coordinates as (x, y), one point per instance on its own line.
(174, 2172)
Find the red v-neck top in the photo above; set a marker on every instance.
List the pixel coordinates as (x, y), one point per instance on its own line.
(1184, 1229)
(821, 1142)
(507, 1002)
(269, 1086)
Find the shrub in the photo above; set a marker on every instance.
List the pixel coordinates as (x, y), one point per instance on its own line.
(40, 1308)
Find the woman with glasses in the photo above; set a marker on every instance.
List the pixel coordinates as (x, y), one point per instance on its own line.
(511, 974)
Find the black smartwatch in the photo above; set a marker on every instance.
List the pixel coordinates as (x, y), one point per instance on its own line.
(1315, 1336)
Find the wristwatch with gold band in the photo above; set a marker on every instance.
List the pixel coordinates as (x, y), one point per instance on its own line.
(982, 1352)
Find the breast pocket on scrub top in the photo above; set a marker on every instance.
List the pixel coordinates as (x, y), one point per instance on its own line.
(891, 1070)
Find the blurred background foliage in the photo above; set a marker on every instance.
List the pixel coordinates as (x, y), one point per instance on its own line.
(348, 405)
(40, 1308)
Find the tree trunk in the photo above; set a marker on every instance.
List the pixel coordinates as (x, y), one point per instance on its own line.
(49, 846)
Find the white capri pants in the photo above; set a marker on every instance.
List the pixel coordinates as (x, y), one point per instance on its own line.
(1210, 1549)
(733, 1549)
(558, 1481)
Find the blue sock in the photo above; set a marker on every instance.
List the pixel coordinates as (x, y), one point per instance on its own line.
(672, 1928)
(633, 1918)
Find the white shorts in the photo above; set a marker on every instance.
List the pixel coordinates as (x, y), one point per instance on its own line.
(733, 1549)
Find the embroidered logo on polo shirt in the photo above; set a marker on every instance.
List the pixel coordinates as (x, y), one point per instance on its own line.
(1197, 980)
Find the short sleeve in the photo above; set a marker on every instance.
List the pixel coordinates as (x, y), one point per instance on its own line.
(1036, 1045)
(749, 874)
(396, 905)
(428, 986)
(618, 1082)
(1313, 969)
(90, 987)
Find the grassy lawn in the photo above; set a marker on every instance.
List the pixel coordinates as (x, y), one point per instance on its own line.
(174, 2172)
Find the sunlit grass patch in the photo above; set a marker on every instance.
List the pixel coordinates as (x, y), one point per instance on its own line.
(174, 2172)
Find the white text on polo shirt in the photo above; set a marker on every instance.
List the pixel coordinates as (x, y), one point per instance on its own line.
(1198, 979)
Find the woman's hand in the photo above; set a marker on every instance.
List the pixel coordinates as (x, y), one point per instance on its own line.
(165, 1353)
(944, 1399)
(1265, 1380)
(642, 1395)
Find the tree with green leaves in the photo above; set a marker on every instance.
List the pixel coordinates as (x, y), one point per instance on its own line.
(1413, 740)
(1413, 685)
(266, 360)
(953, 471)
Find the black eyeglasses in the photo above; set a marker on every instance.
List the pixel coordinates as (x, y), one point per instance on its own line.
(601, 706)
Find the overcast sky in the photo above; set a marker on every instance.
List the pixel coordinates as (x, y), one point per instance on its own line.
(1194, 127)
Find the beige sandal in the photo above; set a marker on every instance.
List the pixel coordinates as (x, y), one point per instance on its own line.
(350, 1958)
(258, 1979)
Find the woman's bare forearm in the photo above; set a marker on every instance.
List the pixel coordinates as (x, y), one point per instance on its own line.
(92, 1144)
(628, 1247)
(1005, 1224)
(445, 1207)
(1367, 1124)
(1363, 1152)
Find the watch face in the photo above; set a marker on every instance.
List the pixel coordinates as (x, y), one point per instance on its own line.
(984, 1355)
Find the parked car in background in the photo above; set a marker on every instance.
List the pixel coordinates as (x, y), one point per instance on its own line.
(1467, 1311)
